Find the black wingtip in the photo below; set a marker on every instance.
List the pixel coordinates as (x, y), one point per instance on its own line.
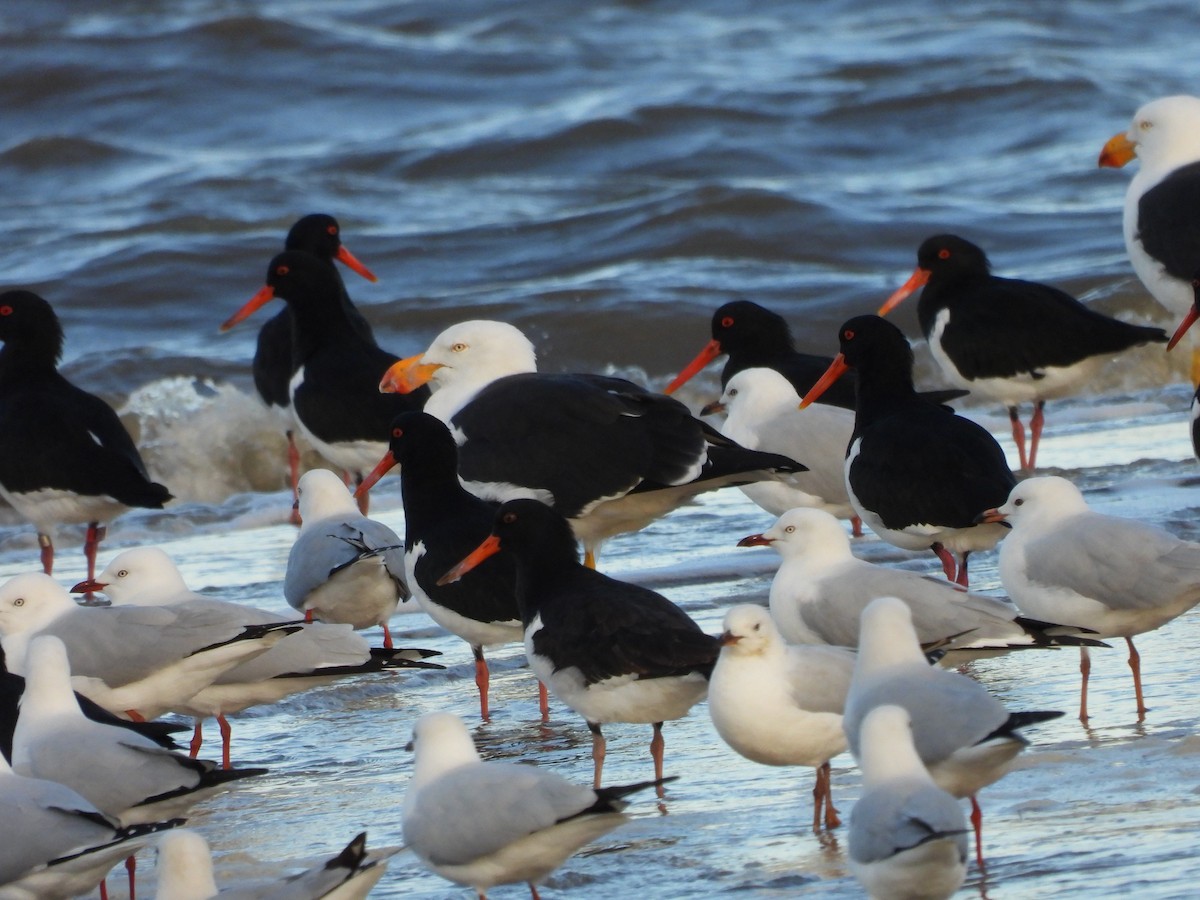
(351, 857)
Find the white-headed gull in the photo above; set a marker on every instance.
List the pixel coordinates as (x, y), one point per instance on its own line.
(610, 650)
(57, 844)
(1117, 576)
(482, 823)
(908, 837)
(311, 655)
(821, 589)
(124, 774)
(185, 872)
(144, 661)
(761, 413)
(607, 454)
(780, 704)
(964, 735)
(344, 567)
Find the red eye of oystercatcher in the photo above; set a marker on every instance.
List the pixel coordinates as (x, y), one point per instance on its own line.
(727, 322)
(943, 253)
(5, 310)
(282, 270)
(332, 229)
(509, 518)
(847, 335)
(397, 432)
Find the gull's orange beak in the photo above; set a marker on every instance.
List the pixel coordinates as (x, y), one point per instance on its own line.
(1117, 152)
(710, 352)
(89, 587)
(836, 370)
(918, 280)
(489, 547)
(259, 300)
(407, 375)
(754, 540)
(991, 515)
(727, 638)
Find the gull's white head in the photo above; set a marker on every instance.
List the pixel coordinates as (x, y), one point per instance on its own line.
(804, 533)
(440, 743)
(755, 393)
(1048, 498)
(323, 494)
(1164, 135)
(30, 602)
(749, 630)
(479, 349)
(144, 576)
(184, 867)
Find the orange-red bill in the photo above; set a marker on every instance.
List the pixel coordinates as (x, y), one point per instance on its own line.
(713, 408)
(259, 300)
(918, 279)
(1118, 150)
(836, 370)
(372, 478)
(350, 261)
(489, 547)
(727, 638)
(710, 352)
(1188, 321)
(754, 540)
(407, 375)
(89, 587)
(989, 516)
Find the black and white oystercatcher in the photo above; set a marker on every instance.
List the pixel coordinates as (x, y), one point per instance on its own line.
(443, 522)
(607, 454)
(1162, 204)
(1006, 339)
(334, 389)
(915, 471)
(320, 235)
(610, 650)
(65, 457)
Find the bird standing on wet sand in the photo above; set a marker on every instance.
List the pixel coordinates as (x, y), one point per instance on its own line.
(780, 704)
(334, 390)
(1118, 576)
(1161, 221)
(908, 837)
(963, 735)
(343, 567)
(610, 650)
(1006, 339)
(915, 471)
(443, 522)
(483, 823)
(65, 457)
(609, 455)
(821, 589)
(320, 235)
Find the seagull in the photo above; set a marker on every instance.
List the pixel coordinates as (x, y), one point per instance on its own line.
(65, 457)
(907, 835)
(780, 704)
(609, 455)
(916, 473)
(310, 655)
(334, 398)
(481, 824)
(125, 775)
(343, 567)
(821, 589)
(1117, 576)
(760, 407)
(963, 735)
(12, 687)
(57, 844)
(1161, 223)
(185, 872)
(443, 522)
(320, 235)
(610, 650)
(136, 662)
(1010, 340)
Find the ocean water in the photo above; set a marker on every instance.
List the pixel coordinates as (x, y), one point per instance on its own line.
(603, 175)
